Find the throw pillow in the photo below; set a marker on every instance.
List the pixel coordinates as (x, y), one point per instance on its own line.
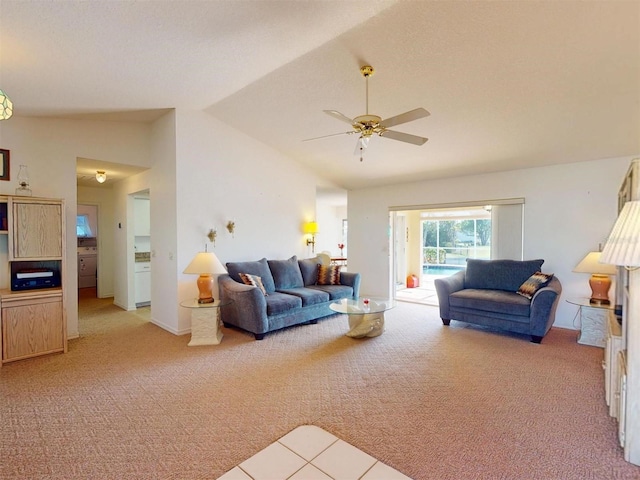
(254, 281)
(328, 275)
(534, 283)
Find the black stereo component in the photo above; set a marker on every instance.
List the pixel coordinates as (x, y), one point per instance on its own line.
(35, 278)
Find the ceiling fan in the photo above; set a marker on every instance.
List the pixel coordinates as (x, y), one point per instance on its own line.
(367, 125)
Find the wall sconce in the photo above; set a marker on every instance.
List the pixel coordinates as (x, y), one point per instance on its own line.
(212, 235)
(231, 227)
(6, 107)
(101, 176)
(311, 228)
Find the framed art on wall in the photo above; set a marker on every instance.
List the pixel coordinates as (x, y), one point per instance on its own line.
(4, 164)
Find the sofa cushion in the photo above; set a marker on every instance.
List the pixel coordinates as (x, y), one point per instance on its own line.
(254, 281)
(309, 270)
(494, 301)
(534, 283)
(259, 268)
(328, 275)
(281, 303)
(499, 274)
(309, 296)
(336, 292)
(286, 273)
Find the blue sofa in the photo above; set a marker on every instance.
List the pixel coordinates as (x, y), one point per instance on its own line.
(292, 296)
(485, 293)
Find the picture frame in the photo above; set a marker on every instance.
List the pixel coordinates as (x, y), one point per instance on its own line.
(4, 164)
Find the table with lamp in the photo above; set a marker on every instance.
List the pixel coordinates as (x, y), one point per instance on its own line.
(594, 311)
(205, 310)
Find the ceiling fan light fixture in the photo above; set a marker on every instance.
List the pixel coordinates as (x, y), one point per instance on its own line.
(6, 107)
(101, 176)
(367, 125)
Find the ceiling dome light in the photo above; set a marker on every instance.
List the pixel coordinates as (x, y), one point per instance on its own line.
(101, 176)
(6, 107)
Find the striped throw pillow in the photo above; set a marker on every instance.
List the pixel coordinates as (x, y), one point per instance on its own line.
(254, 281)
(328, 275)
(534, 283)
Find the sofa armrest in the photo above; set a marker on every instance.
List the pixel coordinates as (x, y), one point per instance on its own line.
(445, 287)
(352, 280)
(543, 307)
(248, 307)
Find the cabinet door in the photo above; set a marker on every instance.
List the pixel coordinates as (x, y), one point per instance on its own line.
(37, 230)
(142, 210)
(143, 287)
(32, 329)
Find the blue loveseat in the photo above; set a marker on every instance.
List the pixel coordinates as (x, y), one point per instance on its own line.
(291, 296)
(485, 293)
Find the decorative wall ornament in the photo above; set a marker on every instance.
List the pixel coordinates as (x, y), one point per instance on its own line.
(231, 227)
(212, 235)
(23, 181)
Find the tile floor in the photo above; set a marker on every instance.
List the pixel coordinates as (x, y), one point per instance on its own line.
(311, 453)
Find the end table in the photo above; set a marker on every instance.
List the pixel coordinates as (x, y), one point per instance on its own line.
(593, 322)
(205, 321)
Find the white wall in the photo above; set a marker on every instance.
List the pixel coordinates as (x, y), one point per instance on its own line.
(49, 147)
(222, 175)
(569, 210)
(104, 200)
(329, 218)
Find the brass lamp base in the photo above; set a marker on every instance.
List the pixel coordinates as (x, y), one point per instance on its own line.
(206, 300)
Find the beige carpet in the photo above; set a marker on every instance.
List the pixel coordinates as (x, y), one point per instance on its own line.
(131, 401)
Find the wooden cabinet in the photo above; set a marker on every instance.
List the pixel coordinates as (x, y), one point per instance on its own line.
(611, 364)
(32, 321)
(32, 324)
(627, 364)
(37, 230)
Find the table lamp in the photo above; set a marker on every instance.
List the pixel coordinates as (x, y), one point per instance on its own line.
(205, 264)
(599, 281)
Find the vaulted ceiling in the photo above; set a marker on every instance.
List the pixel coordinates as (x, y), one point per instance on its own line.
(508, 84)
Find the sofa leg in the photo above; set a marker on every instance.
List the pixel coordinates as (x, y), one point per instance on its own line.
(446, 321)
(535, 339)
(313, 322)
(259, 336)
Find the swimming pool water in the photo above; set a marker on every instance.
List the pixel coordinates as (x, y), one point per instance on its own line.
(440, 269)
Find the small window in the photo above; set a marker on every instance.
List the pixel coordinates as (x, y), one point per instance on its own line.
(83, 229)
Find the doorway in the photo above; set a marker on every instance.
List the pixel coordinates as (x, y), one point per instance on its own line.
(87, 250)
(431, 242)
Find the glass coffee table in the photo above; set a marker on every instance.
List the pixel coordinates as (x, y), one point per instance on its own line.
(366, 314)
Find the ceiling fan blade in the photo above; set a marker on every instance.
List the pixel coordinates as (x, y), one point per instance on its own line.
(339, 116)
(405, 117)
(331, 135)
(404, 137)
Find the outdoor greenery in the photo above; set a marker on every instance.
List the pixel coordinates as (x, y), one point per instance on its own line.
(434, 255)
(455, 238)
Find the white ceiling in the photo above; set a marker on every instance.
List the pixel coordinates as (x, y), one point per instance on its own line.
(508, 84)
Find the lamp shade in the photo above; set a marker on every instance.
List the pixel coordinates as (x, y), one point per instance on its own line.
(311, 227)
(101, 176)
(591, 264)
(623, 244)
(205, 263)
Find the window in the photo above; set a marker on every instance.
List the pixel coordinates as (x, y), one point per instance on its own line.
(451, 236)
(83, 229)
